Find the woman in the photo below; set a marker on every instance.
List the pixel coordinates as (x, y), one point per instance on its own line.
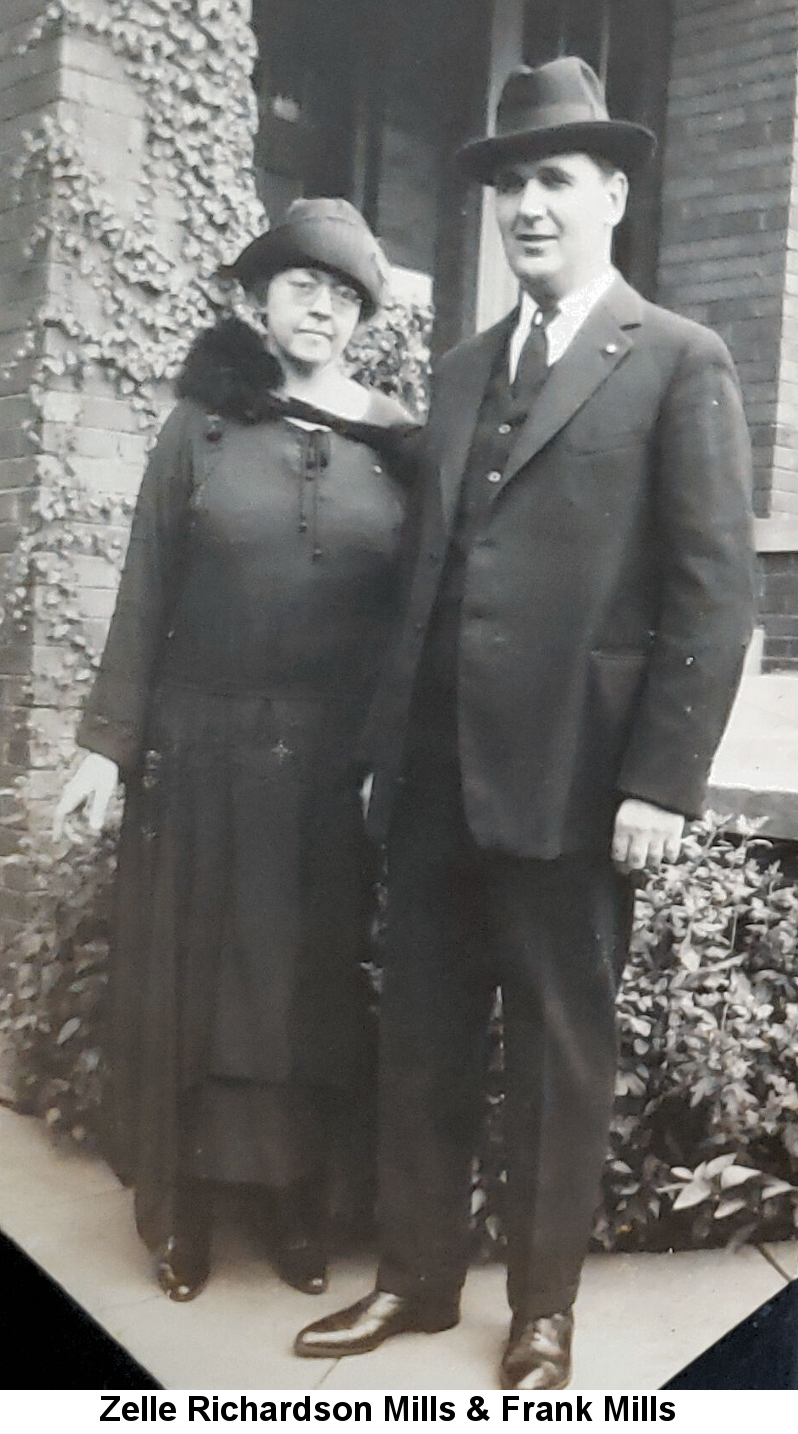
(260, 583)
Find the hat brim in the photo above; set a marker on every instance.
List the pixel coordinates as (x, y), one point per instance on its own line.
(620, 141)
(279, 249)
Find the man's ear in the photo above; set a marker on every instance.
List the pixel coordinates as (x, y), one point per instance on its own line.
(616, 188)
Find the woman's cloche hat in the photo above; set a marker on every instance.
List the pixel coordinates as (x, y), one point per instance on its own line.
(321, 233)
(555, 109)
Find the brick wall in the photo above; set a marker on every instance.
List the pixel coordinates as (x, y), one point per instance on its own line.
(730, 225)
(78, 81)
(101, 429)
(779, 611)
(729, 253)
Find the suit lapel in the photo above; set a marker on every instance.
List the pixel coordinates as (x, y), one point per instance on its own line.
(466, 384)
(599, 346)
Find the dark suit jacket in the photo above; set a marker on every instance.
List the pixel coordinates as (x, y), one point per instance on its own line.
(609, 592)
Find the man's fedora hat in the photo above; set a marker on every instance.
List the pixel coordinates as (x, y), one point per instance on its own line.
(317, 233)
(555, 109)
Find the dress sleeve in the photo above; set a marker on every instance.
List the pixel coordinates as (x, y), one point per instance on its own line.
(113, 722)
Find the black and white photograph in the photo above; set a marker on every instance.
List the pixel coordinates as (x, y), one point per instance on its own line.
(399, 688)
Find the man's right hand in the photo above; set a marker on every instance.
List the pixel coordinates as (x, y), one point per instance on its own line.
(94, 783)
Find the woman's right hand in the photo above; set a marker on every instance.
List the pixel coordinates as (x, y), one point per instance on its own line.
(94, 782)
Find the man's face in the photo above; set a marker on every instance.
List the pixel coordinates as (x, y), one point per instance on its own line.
(556, 217)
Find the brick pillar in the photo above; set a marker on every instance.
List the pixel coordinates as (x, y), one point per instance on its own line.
(28, 92)
(82, 386)
(86, 432)
(730, 222)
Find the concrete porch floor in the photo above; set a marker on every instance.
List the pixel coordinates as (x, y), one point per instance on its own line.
(755, 773)
(640, 1318)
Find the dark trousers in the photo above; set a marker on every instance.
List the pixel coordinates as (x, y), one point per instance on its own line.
(553, 936)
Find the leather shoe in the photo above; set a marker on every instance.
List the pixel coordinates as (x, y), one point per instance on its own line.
(183, 1262)
(292, 1226)
(538, 1353)
(302, 1263)
(364, 1326)
(183, 1267)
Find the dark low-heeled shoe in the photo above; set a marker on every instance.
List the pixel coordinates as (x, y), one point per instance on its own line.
(183, 1267)
(538, 1353)
(363, 1326)
(301, 1262)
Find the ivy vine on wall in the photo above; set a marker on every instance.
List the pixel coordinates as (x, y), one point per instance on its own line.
(140, 283)
(127, 288)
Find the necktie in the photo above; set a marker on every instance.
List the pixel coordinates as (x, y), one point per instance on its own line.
(533, 363)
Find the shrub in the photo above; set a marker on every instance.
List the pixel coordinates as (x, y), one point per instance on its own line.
(705, 1137)
(56, 974)
(392, 353)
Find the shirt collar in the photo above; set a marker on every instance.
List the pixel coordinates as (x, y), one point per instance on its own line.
(574, 306)
(566, 323)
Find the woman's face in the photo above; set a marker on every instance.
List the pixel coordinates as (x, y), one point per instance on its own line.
(310, 316)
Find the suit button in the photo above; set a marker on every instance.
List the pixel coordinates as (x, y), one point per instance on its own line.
(505, 428)
(418, 628)
(434, 557)
(495, 476)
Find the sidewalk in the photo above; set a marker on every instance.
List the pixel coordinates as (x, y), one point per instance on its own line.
(640, 1318)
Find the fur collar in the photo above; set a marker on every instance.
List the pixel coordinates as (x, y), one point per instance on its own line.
(230, 371)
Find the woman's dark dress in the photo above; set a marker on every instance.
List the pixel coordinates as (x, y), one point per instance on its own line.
(259, 589)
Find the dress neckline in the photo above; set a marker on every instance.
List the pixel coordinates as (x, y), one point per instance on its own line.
(365, 429)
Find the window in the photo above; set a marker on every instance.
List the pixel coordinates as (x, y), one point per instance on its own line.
(628, 43)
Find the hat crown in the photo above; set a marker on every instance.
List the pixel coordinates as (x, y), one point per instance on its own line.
(322, 210)
(564, 91)
(557, 108)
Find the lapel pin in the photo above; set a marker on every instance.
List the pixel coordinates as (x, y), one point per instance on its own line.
(610, 348)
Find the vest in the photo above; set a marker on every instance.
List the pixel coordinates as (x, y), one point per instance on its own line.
(433, 721)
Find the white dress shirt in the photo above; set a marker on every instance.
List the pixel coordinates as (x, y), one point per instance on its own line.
(563, 328)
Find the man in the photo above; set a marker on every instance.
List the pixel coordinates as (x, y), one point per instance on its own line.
(579, 611)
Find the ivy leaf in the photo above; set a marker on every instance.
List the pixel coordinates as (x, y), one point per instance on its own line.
(68, 1029)
(689, 957)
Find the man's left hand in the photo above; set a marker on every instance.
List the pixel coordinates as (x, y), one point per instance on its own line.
(644, 834)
